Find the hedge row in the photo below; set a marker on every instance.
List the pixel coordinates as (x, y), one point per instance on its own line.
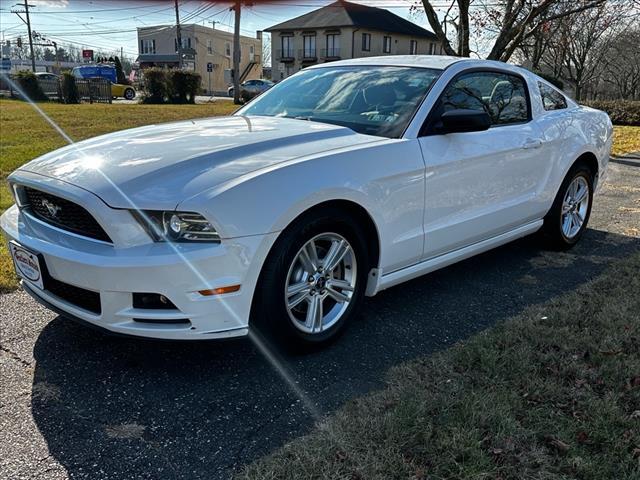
(28, 83)
(170, 86)
(621, 112)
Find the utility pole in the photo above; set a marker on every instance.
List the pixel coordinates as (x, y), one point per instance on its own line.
(236, 54)
(33, 57)
(178, 35)
(27, 22)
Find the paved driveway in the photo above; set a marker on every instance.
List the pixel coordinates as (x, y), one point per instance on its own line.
(76, 404)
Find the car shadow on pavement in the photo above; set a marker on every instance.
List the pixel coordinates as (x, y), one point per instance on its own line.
(119, 408)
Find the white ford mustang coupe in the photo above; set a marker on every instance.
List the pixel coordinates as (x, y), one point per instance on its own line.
(343, 180)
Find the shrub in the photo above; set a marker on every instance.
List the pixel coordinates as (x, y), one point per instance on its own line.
(29, 85)
(170, 86)
(621, 112)
(184, 86)
(156, 87)
(70, 92)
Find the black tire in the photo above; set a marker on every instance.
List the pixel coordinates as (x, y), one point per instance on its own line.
(552, 230)
(129, 94)
(230, 92)
(269, 312)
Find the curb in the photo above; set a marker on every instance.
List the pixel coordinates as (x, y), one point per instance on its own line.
(630, 159)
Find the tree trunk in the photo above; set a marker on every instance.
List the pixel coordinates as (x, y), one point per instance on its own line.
(463, 29)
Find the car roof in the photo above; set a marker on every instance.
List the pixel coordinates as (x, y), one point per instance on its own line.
(425, 61)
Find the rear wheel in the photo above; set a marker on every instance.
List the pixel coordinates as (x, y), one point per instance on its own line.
(129, 94)
(567, 220)
(313, 280)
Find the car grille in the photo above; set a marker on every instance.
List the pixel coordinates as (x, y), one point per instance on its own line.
(64, 214)
(81, 298)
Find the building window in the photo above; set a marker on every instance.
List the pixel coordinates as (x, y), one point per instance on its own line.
(147, 46)
(366, 42)
(413, 48)
(333, 45)
(287, 46)
(309, 44)
(209, 46)
(227, 49)
(431, 49)
(186, 43)
(386, 44)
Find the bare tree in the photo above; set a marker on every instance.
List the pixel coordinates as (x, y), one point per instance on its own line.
(266, 50)
(514, 21)
(579, 49)
(621, 77)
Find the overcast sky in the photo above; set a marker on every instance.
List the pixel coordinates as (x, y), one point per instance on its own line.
(109, 25)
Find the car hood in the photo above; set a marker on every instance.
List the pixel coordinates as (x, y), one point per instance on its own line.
(158, 166)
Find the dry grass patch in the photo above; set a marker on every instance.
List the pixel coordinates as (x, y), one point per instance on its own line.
(551, 394)
(625, 140)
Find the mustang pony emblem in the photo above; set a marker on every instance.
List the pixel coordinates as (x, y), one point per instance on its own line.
(51, 208)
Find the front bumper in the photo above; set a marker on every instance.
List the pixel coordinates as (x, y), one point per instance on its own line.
(177, 271)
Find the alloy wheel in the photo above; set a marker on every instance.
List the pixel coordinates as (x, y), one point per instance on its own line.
(575, 207)
(320, 283)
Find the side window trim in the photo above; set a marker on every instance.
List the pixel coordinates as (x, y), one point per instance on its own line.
(425, 130)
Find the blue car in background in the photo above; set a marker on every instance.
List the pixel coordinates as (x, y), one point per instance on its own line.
(93, 71)
(108, 72)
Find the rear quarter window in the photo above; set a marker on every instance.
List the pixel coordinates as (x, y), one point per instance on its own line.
(551, 98)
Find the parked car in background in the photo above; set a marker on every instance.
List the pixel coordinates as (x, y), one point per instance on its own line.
(343, 180)
(251, 89)
(124, 91)
(96, 71)
(49, 83)
(108, 72)
(47, 76)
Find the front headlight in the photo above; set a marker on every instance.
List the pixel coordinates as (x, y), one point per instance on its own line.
(177, 226)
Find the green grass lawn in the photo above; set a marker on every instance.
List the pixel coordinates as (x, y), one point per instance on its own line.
(551, 394)
(25, 135)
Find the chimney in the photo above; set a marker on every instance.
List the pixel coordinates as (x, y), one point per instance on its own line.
(259, 34)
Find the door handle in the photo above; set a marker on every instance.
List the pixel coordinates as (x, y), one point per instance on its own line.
(532, 143)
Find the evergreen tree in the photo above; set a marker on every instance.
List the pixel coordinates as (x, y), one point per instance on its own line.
(121, 78)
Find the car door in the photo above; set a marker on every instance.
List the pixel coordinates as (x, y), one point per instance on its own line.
(484, 183)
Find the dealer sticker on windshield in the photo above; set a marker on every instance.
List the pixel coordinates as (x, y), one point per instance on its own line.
(27, 264)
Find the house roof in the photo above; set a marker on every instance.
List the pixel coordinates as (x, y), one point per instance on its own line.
(347, 14)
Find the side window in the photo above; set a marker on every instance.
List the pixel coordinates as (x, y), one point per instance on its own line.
(501, 95)
(551, 98)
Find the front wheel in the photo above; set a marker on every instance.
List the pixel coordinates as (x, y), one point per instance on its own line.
(129, 94)
(567, 220)
(313, 281)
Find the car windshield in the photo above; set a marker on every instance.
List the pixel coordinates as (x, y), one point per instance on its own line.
(371, 100)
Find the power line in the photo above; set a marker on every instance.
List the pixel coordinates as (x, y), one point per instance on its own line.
(75, 12)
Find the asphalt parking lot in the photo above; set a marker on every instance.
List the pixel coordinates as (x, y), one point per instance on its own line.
(78, 404)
